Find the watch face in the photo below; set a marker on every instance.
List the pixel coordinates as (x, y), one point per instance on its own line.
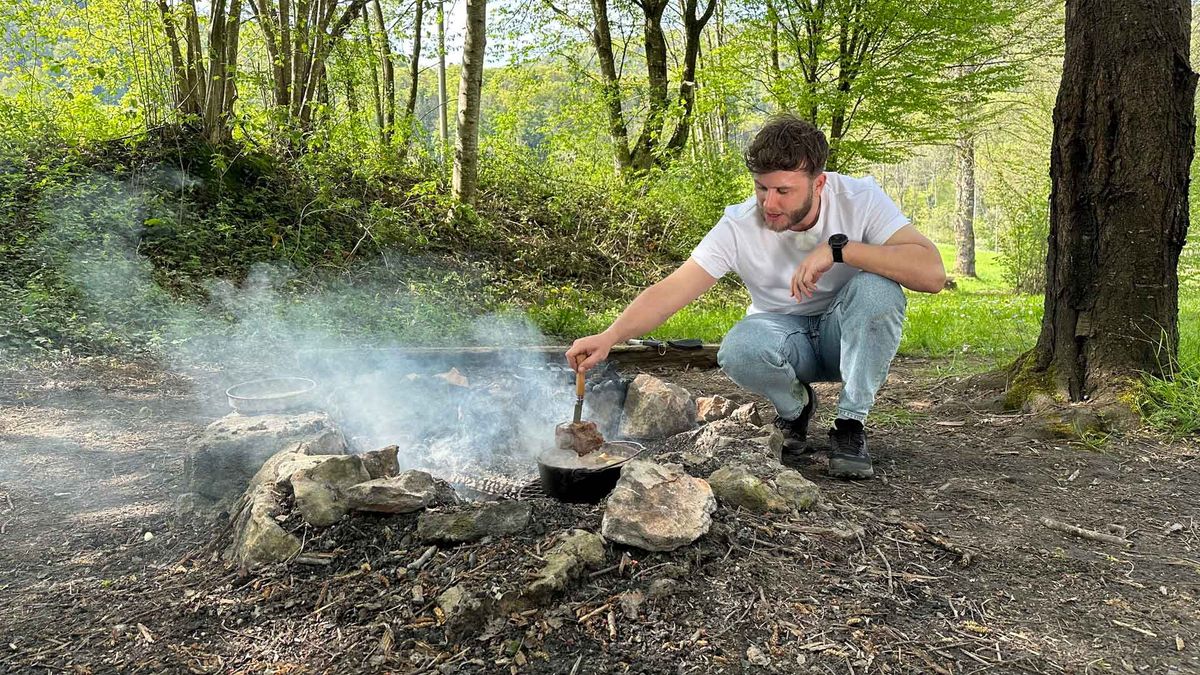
(838, 240)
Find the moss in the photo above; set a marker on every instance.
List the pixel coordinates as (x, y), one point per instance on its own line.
(1025, 380)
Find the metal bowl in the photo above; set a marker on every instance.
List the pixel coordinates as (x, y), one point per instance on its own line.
(276, 394)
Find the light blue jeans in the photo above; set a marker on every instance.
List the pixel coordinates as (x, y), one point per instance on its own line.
(854, 342)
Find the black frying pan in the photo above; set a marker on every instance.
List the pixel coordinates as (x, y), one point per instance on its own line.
(585, 484)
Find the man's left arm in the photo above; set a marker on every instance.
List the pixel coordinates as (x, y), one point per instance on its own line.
(907, 257)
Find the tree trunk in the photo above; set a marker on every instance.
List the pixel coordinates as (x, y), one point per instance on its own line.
(443, 102)
(773, 21)
(410, 106)
(601, 35)
(693, 26)
(389, 74)
(377, 96)
(645, 151)
(205, 81)
(964, 222)
(299, 38)
(1124, 126)
(466, 148)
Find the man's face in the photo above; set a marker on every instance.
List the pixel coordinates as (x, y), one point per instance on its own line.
(788, 200)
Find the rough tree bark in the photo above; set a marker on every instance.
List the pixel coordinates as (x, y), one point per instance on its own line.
(377, 95)
(443, 101)
(601, 35)
(1124, 130)
(964, 222)
(410, 106)
(204, 88)
(299, 38)
(387, 64)
(466, 147)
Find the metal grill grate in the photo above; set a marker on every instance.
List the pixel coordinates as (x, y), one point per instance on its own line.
(486, 484)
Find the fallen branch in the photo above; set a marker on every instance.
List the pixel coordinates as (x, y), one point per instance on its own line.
(965, 557)
(1086, 534)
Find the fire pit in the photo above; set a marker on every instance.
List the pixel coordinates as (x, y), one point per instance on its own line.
(480, 429)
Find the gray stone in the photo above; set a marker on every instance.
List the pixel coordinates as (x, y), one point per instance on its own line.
(382, 463)
(747, 414)
(320, 489)
(279, 468)
(657, 508)
(222, 460)
(728, 442)
(656, 409)
(464, 611)
(190, 503)
(756, 657)
(661, 589)
(410, 491)
(257, 538)
(772, 439)
(473, 524)
(713, 408)
(799, 492)
(578, 552)
(736, 487)
(721, 433)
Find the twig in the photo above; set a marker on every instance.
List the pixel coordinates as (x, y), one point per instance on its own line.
(965, 557)
(600, 573)
(1086, 534)
(888, 565)
(420, 562)
(594, 612)
(1134, 628)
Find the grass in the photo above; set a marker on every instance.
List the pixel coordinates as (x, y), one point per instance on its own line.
(1172, 404)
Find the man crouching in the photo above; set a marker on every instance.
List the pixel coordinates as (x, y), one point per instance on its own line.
(823, 257)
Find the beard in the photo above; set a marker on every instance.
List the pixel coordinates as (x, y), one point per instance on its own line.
(792, 218)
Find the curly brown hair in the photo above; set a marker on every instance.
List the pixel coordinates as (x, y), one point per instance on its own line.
(788, 143)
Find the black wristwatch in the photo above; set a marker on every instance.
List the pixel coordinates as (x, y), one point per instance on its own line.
(838, 242)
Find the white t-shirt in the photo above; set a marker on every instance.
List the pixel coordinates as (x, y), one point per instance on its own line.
(765, 260)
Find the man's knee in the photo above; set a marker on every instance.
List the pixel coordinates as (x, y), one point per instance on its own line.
(750, 345)
(875, 294)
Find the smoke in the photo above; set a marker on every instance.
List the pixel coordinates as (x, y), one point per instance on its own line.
(335, 330)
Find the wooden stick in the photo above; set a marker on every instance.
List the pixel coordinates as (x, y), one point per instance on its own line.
(594, 612)
(579, 380)
(1080, 532)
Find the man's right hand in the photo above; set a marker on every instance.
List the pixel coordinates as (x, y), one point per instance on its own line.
(588, 351)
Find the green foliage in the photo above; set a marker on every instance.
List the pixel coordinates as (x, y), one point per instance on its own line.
(867, 73)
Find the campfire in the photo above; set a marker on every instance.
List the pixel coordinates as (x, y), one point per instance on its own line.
(470, 451)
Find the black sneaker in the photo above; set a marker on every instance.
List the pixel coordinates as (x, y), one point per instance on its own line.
(795, 432)
(848, 456)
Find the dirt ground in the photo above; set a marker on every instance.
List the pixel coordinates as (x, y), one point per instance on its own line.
(947, 567)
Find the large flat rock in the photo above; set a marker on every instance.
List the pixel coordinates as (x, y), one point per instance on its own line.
(221, 461)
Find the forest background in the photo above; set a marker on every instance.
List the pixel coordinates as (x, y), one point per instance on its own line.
(176, 170)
